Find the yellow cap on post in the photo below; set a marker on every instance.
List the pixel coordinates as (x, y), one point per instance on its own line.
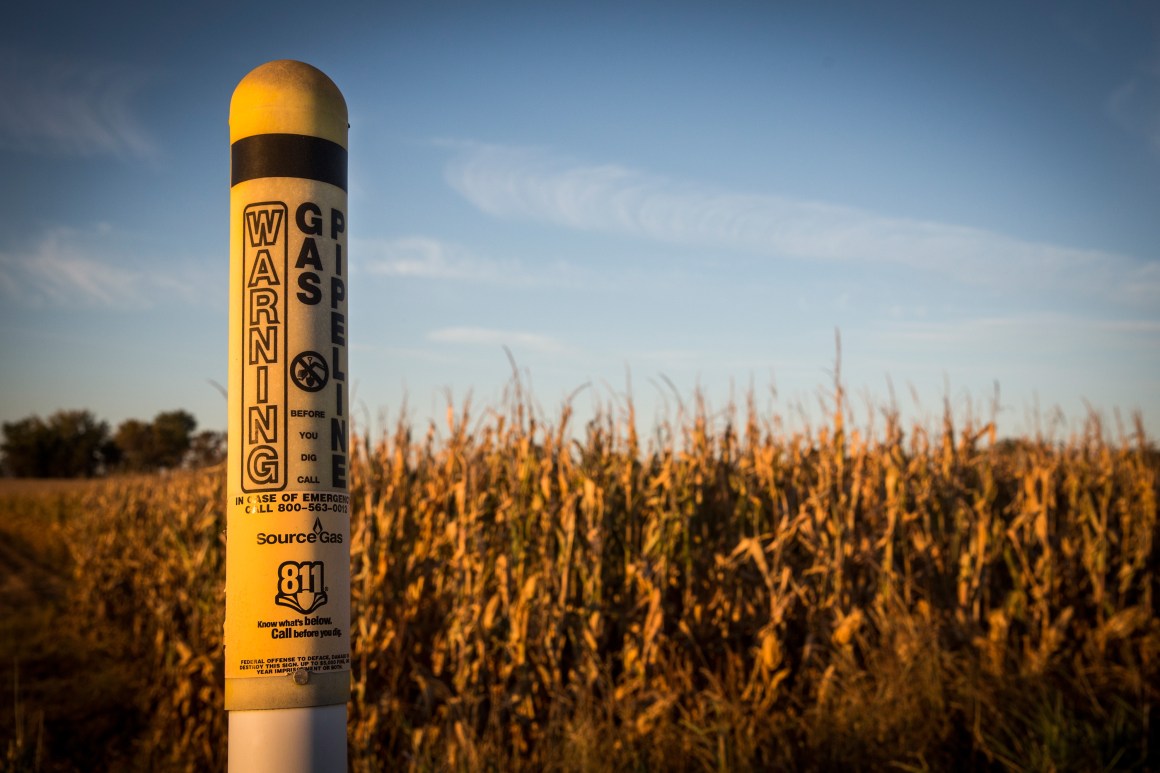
(288, 97)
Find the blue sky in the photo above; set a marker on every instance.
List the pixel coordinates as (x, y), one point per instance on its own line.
(644, 194)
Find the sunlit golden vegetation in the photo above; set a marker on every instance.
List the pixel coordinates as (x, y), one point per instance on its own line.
(719, 594)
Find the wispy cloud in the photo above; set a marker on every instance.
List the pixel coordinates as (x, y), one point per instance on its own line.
(87, 268)
(1135, 104)
(479, 336)
(60, 106)
(427, 258)
(1023, 333)
(519, 183)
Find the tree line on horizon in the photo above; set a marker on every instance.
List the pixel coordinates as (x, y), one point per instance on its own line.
(76, 444)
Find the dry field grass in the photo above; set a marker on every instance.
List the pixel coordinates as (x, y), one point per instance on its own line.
(719, 595)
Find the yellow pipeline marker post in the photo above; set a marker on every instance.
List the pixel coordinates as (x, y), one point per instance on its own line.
(287, 630)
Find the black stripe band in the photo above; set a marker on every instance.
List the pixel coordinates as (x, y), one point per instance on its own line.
(287, 155)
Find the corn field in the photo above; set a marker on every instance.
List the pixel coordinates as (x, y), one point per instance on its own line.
(721, 594)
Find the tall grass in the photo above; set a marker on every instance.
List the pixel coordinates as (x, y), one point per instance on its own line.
(721, 594)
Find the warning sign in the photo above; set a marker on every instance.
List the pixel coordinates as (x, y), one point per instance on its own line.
(294, 345)
(289, 514)
(265, 254)
(288, 497)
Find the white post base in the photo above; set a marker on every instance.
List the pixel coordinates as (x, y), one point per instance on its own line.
(309, 740)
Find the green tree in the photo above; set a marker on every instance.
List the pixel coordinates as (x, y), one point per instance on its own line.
(69, 444)
(134, 441)
(163, 443)
(27, 450)
(207, 448)
(172, 434)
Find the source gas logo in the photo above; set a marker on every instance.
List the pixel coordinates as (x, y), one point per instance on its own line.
(316, 536)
